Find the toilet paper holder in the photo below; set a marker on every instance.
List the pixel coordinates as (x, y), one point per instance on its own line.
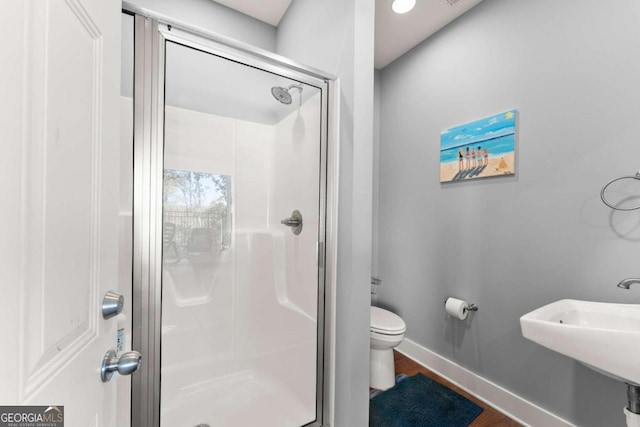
(472, 307)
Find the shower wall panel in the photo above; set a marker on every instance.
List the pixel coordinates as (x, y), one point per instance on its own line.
(252, 322)
(296, 151)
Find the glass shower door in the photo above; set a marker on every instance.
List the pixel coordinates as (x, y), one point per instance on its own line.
(242, 218)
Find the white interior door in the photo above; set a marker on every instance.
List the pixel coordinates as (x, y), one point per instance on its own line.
(59, 179)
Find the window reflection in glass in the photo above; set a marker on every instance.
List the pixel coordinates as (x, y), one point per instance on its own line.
(196, 217)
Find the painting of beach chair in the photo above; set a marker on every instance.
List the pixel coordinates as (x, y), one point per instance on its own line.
(200, 246)
(170, 252)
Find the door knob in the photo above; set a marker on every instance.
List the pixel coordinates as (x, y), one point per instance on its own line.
(124, 365)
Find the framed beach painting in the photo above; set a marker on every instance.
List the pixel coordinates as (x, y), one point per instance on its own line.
(479, 149)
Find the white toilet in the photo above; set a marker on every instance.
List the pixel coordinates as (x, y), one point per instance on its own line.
(387, 331)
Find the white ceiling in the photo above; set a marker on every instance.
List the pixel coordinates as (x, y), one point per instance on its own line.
(395, 34)
(269, 11)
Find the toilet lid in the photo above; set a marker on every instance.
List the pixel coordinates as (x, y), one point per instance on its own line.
(386, 322)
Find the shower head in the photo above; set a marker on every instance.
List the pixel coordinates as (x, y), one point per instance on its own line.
(283, 95)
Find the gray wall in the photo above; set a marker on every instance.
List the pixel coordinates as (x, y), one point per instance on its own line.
(337, 36)
(572, 70)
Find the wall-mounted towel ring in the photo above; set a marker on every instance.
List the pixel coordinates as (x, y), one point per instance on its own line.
(635, 177)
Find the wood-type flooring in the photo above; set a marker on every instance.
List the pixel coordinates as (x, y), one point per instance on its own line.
(489, 417)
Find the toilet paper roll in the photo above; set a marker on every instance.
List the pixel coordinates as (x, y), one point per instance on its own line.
(457, 308)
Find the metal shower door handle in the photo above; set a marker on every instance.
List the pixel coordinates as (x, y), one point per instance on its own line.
(294, 221)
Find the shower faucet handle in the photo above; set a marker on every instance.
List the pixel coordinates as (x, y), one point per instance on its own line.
(291, 222)
(294, 221)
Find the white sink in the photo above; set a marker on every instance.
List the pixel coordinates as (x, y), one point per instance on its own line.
(603, 336)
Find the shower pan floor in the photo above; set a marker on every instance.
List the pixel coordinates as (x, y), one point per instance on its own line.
(238, 400)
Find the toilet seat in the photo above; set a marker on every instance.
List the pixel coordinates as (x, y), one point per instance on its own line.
(386, 323)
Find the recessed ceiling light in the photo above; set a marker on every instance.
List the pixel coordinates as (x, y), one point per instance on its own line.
(402, 6)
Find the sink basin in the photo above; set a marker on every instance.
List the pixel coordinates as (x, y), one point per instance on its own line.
(603, 336)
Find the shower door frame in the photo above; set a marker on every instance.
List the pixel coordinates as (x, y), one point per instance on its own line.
(152, 32)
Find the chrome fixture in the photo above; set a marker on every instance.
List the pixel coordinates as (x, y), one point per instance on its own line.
(472, 307)
(635, 178)
(294, 221)
(124, 365)
(626, 283)
(633, 398)
(375, 282)
(283, 95)
(112, 304)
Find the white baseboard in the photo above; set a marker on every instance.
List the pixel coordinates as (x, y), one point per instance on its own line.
(510, 404)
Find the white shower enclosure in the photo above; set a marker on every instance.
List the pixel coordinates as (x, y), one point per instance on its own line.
(230, 196)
